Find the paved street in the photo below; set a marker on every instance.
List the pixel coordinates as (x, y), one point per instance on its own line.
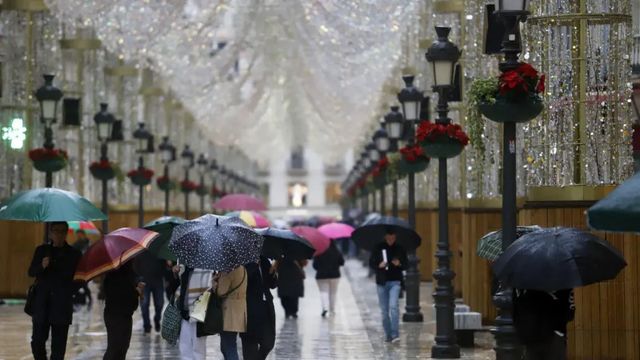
(355, 332)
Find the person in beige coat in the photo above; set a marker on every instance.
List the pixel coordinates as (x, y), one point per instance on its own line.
(232, 287)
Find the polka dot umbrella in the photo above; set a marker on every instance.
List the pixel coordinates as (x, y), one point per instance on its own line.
(218, 243)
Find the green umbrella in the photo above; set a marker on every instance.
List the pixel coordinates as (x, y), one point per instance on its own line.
(490, 245)
(620, 210)
(49, 205)
(164, 226)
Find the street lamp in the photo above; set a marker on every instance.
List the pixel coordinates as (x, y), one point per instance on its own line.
(48, 96)
(382, 143)
(222, 175)
(213, 168)
(144, 146)
(365, 168)
(168, 155)
(443, 56)
(187, 163)
(394, 125)
(104, 122)
(203, 166)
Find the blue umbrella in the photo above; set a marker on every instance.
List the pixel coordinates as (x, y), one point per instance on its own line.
(218, 243)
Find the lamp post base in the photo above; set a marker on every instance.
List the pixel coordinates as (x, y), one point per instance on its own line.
(412, 285)
(507, 345)
(450, 351)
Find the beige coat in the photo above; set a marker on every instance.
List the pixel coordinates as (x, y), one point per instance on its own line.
(234, 306)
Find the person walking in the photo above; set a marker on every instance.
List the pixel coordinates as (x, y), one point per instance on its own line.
(82, 241)
(389, 259)
(152, 271)
(53, 265)
(232, 287)
(541, 319)
(290, 284)
(260, 337)
(122, 290)
(327, 267)
(193, 282)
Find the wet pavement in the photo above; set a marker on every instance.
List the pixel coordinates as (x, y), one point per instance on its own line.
(354, 332)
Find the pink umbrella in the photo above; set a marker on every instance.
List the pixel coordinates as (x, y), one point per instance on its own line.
(315, 237)
(239, 202)
(336, 230)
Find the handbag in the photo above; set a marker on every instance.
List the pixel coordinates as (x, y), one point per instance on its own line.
(214, 320)
(31, 294)
(200, 306)
(171, 322)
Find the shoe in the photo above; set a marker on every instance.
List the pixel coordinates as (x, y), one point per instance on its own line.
(147, 330)
(157, 327)
(387, 339)
(395, 340)
(295, 316)
(324, 313)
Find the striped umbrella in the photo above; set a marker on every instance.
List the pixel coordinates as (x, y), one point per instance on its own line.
(252, 218)
(87, 226)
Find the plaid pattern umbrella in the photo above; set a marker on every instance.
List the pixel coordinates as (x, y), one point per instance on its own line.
(490, 245)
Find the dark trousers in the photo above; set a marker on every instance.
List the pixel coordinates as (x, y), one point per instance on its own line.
(553, 349)
(153, 289)
(39, 338)
(229, 345)
(118, 336)
(258, 346)
(290, 305)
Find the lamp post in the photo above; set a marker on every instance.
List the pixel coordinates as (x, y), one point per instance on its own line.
(382, 143)
(187, 163)
(168, 153)
(394, 126)
(48, 96)
(443, 56)
(365, 165)
(213, 168)
(374, 156)
(222, 175)
(144, 146)
(104, 123)
(203, 166)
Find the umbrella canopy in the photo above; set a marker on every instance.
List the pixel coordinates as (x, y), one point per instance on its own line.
(558, 258)
(620, 210)
(372, 231)
(164, 226)
(315, 237)
(87, 226)
(218, 243)
(336, 230)
(278, 243)
(113, 250)
(490, 245)
(239, 202)
(252, 218)
(49, 205)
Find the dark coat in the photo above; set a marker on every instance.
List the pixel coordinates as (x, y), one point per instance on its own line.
(392, 272)
(328, 264)
(150, 268)
(537, 314)
(54, 285)
(260, 310)
(121, 296)
(290, 278)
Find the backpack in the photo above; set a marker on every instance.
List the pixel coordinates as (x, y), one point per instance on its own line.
(532, 317)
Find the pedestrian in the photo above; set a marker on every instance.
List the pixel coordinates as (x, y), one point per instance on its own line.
(193, 282)
(232, 287)
(260, 337)
(171, 280)
(388, 259)
(541, 319)
(82, 241)
(290, 284)
(122, 291)
(327, 267)
(152, 271)
(81, 293)
(53, 265)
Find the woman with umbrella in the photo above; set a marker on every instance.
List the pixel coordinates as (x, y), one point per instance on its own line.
(327, 267)
(232, 287)
(290, 284)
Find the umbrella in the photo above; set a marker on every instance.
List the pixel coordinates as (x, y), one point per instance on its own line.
(558, 258)
(490, 245)
(278, 243)
(164, 226)
(113, 250)
(336, 230)
(87, 226)
(218, 243)
(49, 205)
(620, 210)
(315, 237)
(239, 202)
(373, 230)
(252, 218)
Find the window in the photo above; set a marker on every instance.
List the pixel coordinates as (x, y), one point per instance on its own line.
(298, 195)
(332, 192)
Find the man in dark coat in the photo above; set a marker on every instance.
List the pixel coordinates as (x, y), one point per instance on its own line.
(152, 271)
(53, 265)
(260, 337)
(290, 285)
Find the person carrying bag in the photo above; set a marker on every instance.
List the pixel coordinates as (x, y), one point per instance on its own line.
(233, 287)
(213, 319)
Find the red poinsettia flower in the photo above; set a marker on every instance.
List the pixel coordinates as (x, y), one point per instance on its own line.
(511, 80)
(144, 172)
(41, 154)
(413, 153)
(540, 87)
(102, 164)
(528, 71)
(383, 163)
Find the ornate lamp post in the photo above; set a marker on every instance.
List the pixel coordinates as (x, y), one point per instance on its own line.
(222, 176)
(104, 123)
(187, 163)
(144, 146)
(382, 143)
(213, 172)
(48, 96)
(394, 126)
(411, 99)
(374, 156)
(365, 165)
(203, 166)
(168, 153)
(443, 56)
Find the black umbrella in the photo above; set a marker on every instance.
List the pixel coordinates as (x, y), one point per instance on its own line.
(558, 258)
(372, 231)
(620, 210)
(278, 243)
(218, 243)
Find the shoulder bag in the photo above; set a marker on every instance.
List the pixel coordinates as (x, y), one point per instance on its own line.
(171, 322)
(213, 322)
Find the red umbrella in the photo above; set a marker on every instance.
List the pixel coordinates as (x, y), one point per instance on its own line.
(315, 237)
(336, 230)
(113, 250)
(240, 202)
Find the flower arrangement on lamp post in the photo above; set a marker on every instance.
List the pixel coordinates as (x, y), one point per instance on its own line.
(48, 160)
(165, 183)
(103, 170)
(379, 172)
(441, 140)
(202, 190)
(188, 186)
(141, 176)
(413, 159)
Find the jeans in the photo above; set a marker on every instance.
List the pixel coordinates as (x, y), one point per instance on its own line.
(388, 295)
(118, 336)
(155, 288)
(229, 345)
(58, 340)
